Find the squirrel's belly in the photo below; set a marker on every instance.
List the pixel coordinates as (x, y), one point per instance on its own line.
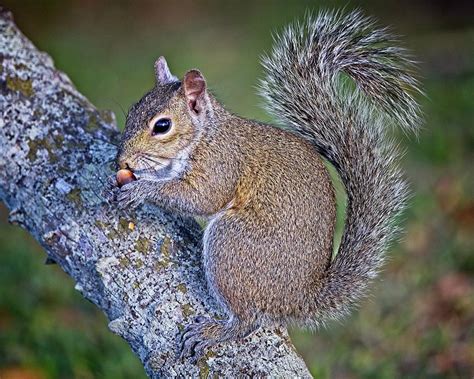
(264, 269)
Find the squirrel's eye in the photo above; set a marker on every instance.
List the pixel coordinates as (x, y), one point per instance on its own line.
(161, 126)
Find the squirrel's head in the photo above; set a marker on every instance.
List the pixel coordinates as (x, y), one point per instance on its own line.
(163, 125)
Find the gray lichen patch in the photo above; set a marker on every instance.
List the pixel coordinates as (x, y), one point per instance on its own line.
(20, 66)
(181, 287)
(97, 119)
(203, 368)
(138, 263)
(42, 143)
(113, 235)
(118, 326)
(165, 248)
(165, 258)
(105, 266)
(157, 361)
(142, 245)
(108, 229)
(125, 225)
(24, 86)
(58, 140)
(74, 196)
(124, 262)
(101, 224)
(187, 310)
(162, 264)
(93, 122)
(107, 116)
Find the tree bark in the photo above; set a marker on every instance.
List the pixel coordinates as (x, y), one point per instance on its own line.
(142, 268)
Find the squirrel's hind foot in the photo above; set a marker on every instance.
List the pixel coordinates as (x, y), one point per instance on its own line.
(205, 332)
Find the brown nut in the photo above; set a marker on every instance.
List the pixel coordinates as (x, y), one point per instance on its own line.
(124, 177)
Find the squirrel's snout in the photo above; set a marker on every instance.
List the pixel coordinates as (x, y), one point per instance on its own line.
(123, 163)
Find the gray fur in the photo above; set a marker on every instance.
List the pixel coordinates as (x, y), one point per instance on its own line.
(303, 88)
(269, 198)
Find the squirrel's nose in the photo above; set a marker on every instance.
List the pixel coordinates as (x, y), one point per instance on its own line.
(123, 163)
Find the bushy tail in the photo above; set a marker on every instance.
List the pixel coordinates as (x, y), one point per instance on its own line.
(306, 87)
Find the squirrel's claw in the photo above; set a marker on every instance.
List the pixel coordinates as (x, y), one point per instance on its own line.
(129, 196)
(206, 332)
(194, 339)
(110, 190)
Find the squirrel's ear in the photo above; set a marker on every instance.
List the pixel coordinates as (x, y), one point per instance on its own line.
(195, 90)
(163, 73)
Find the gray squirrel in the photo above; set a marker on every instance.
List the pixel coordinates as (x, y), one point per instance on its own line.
(269, 199)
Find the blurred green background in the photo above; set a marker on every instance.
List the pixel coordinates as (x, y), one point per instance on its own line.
(419, 322)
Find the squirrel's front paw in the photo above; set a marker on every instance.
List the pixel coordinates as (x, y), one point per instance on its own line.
(130, 196)
(110, 189)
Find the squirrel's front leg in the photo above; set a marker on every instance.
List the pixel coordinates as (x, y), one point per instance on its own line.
(133, 194)
(175, 194)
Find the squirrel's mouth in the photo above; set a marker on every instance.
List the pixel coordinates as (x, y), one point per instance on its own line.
(145, 167)
(128, 175)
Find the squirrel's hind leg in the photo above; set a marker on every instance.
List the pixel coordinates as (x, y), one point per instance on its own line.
(205, 332)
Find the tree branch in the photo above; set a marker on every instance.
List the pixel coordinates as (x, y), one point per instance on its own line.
(143, 269)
